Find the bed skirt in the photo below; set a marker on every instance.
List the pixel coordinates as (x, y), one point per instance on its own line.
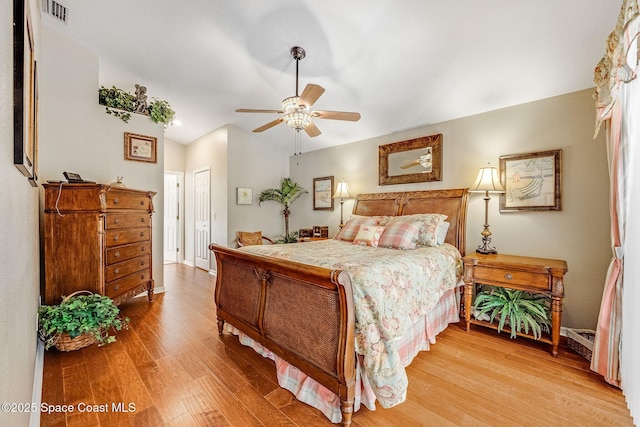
(419, 338)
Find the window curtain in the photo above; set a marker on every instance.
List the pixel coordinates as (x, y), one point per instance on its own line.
(616, 349)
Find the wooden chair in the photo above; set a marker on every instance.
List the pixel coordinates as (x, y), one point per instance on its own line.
(248, 238)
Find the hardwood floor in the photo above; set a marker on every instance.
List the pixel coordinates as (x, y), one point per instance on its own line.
(172, 369)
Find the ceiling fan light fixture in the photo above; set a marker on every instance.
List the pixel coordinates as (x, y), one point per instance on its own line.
(298, 119)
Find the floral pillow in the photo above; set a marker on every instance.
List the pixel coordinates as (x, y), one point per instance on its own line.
(369, 235)
(400, 235)
(429, 224)
(351, 228)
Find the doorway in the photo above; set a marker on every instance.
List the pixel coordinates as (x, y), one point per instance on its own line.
(173, 185)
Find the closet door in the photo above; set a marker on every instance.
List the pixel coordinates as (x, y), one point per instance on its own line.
(203, 218)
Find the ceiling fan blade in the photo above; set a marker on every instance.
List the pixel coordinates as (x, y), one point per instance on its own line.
(268, 125)
(251, 110)
(410, 165)
(337, 115)
(312, 130)
(310, 95)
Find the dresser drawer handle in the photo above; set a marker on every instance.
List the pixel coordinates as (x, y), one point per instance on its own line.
(116, 271)
(116, 287)
(117, 255)
(116, 201)
(142, 234)
(142, 249)
(141, 262)
(141, 276)
(508, 276)
(115, 237)
(116, 221)
(141, 219)
(141, 202)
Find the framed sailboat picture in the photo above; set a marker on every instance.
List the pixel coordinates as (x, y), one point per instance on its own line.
(531, 181)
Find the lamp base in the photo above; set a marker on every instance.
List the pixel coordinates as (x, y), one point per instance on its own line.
(484, 248)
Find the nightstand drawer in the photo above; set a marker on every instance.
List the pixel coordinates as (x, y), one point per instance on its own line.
(512, 277)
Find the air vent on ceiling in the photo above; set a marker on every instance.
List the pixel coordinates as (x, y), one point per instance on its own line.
(56, 10)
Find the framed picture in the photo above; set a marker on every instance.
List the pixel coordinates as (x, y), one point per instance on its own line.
(24, 92)
(245, 196)
(322, 188)
(531, 181)
(140, 148)
(413, 160)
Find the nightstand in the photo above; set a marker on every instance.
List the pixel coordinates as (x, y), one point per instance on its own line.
(540, 275)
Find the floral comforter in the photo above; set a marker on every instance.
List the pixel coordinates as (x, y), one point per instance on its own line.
(392, 289)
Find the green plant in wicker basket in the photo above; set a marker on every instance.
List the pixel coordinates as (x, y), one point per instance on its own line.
(521, 310)
(92, 314)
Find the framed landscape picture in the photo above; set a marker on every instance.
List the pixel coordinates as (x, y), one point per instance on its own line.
(322, 189)
(531, 181)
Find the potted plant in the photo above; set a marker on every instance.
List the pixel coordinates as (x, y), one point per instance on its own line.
(79, 320)
(288, 193)
(520, 310)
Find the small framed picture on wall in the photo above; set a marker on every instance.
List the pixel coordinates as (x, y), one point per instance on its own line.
(322, 188)
(140, 148)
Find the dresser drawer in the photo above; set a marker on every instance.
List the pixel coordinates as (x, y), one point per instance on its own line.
(125, 236)
(507, 276)
(124, 268)
(126, 200)
(114, 221)
(123, 253)
(127, 283)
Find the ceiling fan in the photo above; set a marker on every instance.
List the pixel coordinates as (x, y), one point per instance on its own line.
(296, 109)
(425, 160)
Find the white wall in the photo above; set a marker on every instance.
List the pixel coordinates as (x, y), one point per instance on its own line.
(77, 135)
(578, 234)
(20, 262)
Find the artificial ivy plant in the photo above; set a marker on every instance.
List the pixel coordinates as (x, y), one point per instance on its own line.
(121, 104)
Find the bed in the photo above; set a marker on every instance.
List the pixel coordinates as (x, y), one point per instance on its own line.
(310, 314)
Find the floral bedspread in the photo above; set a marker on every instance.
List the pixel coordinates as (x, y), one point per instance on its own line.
(392, 289)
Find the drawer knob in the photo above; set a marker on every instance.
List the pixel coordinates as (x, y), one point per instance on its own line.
(116, 221)
(116, 201)
(142, 234)
(116, 287)
(117, 271)
(141, 219)
(508, 276)
(115, 237)
(117, 255)
(142, 249)
(141, 202)
(141, 276)
(141, 262)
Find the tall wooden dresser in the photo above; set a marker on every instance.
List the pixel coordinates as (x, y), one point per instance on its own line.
(97, 237)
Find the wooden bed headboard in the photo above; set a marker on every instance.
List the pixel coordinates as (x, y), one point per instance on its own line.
(452, 203)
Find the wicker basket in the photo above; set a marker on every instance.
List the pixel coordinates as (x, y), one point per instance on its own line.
(581, 341)
(66, 343)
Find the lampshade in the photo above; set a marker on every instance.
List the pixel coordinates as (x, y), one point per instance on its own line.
(295, 116)
(487, 180)
(342, 190)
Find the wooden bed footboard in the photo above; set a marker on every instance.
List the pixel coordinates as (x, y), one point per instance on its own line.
(302, 313)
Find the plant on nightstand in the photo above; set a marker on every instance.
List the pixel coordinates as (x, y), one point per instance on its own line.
(79, 321)
(520, 310)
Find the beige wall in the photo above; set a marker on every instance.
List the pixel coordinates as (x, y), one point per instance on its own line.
(578, 234)
(174, 156)
(77, 135)
(19, 264)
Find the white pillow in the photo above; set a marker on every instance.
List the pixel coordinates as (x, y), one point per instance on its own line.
(441, 232)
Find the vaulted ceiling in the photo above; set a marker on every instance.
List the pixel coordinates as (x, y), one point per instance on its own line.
(400, 63)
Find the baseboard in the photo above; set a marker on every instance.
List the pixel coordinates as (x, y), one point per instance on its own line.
(212, 272)
(36, 397)
(189, 263)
